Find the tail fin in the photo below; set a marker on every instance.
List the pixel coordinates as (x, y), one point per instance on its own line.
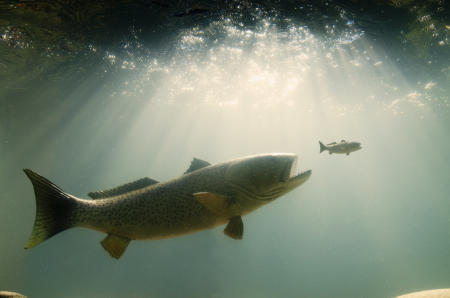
(322, 147)
(54, 209)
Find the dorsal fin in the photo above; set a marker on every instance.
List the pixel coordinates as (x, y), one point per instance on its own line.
(138, 184)
(197, 164)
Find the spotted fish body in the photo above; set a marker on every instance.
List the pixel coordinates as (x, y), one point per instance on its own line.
(158, 211)
(204, 197)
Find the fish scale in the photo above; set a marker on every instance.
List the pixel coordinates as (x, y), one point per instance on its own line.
(204, 197)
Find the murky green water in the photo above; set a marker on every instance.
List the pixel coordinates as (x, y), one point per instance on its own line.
(94, 96)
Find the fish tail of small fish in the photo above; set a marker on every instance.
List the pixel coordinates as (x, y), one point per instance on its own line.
(54, 209)
(322, 147)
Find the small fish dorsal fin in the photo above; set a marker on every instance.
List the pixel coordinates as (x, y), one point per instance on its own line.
(197, 164)
(138, 184)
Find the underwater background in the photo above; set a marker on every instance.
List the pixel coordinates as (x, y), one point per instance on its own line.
(98, 94)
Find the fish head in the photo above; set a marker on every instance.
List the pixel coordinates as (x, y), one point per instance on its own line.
(355, 146)
(265, 177)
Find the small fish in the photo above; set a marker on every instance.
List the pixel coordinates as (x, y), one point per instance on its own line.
(205, 196)
(343, 147)
(7, 294)
(440, 293)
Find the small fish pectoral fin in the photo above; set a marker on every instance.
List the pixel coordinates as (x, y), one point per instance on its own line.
(115, 245)
(197, 164)
(235, 228)
(215, 203)
(138, 184)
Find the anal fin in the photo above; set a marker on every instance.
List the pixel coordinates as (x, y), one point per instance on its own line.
(234, 228)
(115, 245)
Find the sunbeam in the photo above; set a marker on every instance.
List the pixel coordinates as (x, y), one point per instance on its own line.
(373, 223)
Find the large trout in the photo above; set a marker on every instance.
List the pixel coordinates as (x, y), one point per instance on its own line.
(205, 196)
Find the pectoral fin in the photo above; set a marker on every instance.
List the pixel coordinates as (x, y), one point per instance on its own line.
(215, 203)
(115, 245)
(235, 228)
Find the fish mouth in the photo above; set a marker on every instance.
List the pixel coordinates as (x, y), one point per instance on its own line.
(290, 178)
(291, 171)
